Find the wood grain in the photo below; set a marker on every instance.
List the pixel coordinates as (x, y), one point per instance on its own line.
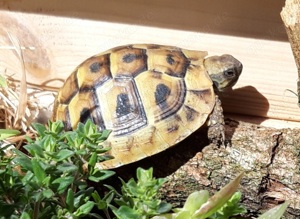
(57, 37)
(290, 15)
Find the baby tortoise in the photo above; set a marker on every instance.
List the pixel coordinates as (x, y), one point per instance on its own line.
(150, 96)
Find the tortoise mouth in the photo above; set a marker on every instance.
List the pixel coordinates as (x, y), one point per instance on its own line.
(225, 86)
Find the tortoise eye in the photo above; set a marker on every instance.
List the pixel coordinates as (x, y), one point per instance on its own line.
(229, 73)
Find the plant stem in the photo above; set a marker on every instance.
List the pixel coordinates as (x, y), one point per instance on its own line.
(36, 210)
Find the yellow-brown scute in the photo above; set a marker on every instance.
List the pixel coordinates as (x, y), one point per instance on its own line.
(94, 72)
(151, 96)
(171, 62)
(128, 62)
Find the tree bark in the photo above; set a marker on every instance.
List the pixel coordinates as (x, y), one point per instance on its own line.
(269, 158)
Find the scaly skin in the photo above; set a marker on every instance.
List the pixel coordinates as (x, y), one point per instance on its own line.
(216, 124)
(224, 71)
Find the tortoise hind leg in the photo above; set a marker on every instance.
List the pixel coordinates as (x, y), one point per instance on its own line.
(216, 124)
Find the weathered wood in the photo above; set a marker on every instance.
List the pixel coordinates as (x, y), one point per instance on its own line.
(269, 157)
(290, 15)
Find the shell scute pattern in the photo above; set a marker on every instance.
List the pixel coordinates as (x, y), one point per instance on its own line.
(70, 91)
(128, 62)
(170, 61)
(151, 96)
(93, 73)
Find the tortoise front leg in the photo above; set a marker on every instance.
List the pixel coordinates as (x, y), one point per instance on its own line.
(216, 124)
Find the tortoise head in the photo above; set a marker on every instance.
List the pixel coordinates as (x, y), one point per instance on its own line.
(224, 70)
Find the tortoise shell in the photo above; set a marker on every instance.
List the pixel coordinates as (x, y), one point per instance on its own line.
(150, 96)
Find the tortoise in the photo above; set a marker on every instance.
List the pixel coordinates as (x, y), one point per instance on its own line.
(150, 96)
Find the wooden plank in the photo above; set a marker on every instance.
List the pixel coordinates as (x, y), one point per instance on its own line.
(259, 19)
(56, 38)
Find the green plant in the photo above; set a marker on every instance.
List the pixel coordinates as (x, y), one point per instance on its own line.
(52, 179)
(276, 212)
(6, 133)
(223, 205)
(138, 198)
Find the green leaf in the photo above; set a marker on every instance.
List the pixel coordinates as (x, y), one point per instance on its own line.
(125, 212)
(183, 215)
(230, 208)
(164, 207)
(172, 216)
(71, 137)
(141, 195)
(109, 197)
(81, 152)
(27, 179)
(93, 159)
(99, 175)
(64, 154)
(48, 193)
(96, 196)
(63, 182)
(89, 128)
(6, 133)
(37, 195)
(195, 200)
(67, 167)
(49, 143)
(276, 212)
(84, 209)
(78, 197)
(103, 203)
(56, 127)
(86, 192)
(70, 200)
(104, 135)
(46, 212)
(38, 171)
(22, 160)
(219, 199)
(40, 129)
(35, 150)
(144, 175)
(25, 215)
